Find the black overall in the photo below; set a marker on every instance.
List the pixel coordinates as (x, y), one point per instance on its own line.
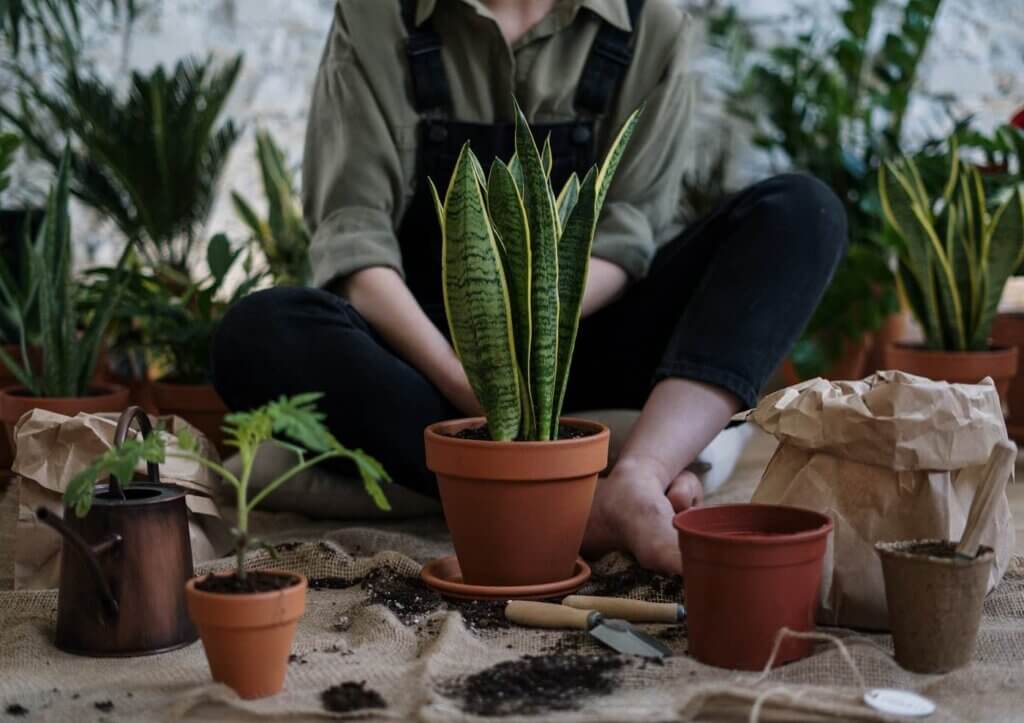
(721, 304)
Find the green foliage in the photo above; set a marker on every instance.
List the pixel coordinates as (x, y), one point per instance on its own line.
(71, 344)
(514, 265)
(52, 26)
(292, 423)
(149, 161)
(282, 237)
(8, 145)
(834, 104)
(956, 251)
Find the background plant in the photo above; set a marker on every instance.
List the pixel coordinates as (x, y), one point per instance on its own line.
(956, 252)
(514, 265)
(8, 145)
(282, 237)
(70, 343)
(291, 423)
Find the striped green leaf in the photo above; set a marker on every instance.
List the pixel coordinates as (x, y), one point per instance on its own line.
(508, 215)
(614, 155)
(543, 225)
(566, 200)
(477, 303)
(1004, 251)
(546, 159)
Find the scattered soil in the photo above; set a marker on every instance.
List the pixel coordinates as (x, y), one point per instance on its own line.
(254, 582)
(332, 583)
(293, 658)
(633, 579)
(481, 615)
(104, 706)
(348, 697)
(407, 597)
(536, 684)
(16, 710)
(481, 433)
(343, 624)
(672, 633)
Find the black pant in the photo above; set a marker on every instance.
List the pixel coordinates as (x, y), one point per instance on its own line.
(722, 304)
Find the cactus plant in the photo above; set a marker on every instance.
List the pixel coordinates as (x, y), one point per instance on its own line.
(514, 267)
(956, 253)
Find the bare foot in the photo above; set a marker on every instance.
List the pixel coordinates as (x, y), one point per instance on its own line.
(633, 512)
(686, 491)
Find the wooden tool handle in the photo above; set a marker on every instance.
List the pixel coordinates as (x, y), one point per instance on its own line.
(635, 611)
(997, 473)
(547, 615)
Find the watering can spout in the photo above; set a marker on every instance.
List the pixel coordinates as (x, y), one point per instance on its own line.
(91, 553)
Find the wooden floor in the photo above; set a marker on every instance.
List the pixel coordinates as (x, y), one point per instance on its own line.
(761, 446)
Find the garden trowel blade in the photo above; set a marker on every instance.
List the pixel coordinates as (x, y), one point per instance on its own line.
(624, 638)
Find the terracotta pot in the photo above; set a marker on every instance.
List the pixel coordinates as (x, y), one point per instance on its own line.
(247, 638)
(957, 367)
(1008, 331)
(14, 403)
(893, 331)
(925, 594)
(851, 365)
(197, 404)
(7, 379)
(516, 510)
(750, 570)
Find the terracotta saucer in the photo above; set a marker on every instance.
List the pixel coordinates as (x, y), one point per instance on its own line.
(444, 576)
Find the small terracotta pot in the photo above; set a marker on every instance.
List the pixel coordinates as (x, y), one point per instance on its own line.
(749, 571)
(956, 367)
(1008, 331)
(247, 638)
(197, 404)
(7, 379)
(517, 511)
(15, 403)
(934, 605)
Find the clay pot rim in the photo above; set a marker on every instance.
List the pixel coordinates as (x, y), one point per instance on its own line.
(898, 550)
(769, 540)
(300, 586)
(433, 431)
(168, 383)
(920, 350)
(108, 390)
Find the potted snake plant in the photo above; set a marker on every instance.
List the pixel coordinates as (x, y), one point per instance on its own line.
(956, 253)
(517, 486)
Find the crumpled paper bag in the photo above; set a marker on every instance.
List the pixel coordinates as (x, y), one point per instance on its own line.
(891, 457)
(52, 449)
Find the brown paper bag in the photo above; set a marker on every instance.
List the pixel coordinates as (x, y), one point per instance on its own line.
(892, 457)
(51, 450)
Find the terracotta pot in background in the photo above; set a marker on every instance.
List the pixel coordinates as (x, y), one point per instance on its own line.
(750, 570)
(851, 365)
(247, 638)
(7, 379)
(894, 330)
(14, 403)
(516, 510)
(197, 404)
(956, 367)
(1008, 331)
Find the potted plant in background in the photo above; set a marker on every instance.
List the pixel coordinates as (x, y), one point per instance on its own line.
(246, 618)
(956, 254)
(63, 381)
(517, 487)
(282, 237)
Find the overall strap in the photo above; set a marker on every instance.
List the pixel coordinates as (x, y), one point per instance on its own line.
(610, 56)
(423, 47)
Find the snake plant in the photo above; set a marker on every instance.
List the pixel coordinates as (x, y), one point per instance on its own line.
(514, 266)
(956, 253)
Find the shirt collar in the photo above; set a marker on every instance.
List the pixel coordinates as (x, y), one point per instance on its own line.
(613, 11)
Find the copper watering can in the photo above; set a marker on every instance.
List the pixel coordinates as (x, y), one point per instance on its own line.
(124, 566)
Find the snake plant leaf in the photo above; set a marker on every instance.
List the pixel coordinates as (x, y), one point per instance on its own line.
(438, 206)
(546, 158)
(508, 215)
(566, 200)
(1004, 243)
(897, 203)
(543, 224)
(476, 300)
(614, 155)
(516, 169)
(573, 261)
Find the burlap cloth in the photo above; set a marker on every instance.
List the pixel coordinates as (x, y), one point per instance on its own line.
(415, 663)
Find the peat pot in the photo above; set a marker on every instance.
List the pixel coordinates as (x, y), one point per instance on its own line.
(750, 570)
(957, 367)
(15, 403)
(247, 637)
(124, 567)
(197, 404)
(517, 511)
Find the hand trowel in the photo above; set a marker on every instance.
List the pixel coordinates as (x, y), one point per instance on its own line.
(616, 634)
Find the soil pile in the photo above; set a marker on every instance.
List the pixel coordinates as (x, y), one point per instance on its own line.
(348, 697)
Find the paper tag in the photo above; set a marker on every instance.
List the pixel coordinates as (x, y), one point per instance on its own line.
(899, 702)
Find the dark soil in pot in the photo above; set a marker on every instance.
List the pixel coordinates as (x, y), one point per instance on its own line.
(483, 434)
(254, 582)
(349, 697)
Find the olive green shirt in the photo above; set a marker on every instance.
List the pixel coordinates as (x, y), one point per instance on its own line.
(359, 171)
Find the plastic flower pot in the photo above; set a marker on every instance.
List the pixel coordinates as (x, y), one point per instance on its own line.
(517, 511)
(749, 571)
(934, 601)
(248, 637)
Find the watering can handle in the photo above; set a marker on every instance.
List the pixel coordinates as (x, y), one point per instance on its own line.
(124, 423)
(91, 555)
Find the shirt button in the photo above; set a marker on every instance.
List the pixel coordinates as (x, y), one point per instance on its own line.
(438, 133)
(580, 135)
